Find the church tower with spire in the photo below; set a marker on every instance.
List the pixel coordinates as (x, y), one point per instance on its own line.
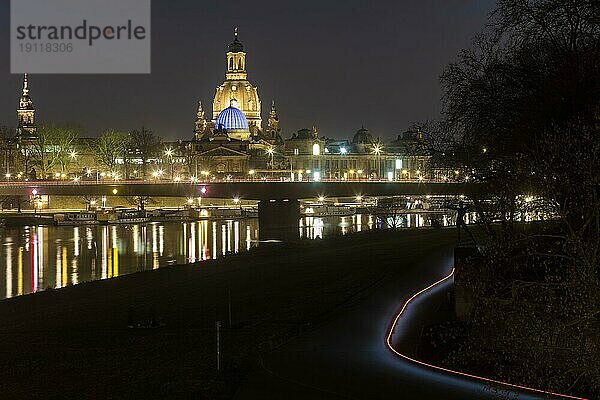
(237, 87)
(200, 124)
(273, 129)
(26, 128)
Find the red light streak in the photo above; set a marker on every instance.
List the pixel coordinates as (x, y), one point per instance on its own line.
(464, 374)
(33, 257)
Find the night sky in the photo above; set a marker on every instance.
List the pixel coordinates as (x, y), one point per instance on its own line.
(333, 64)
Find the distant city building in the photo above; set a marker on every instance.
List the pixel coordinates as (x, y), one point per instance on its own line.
(231, 143)
(237, 87)
(26, 128)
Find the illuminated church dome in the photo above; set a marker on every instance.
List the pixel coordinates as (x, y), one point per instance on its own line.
(236, 86)
(362, 136)
(233, 121)
(363, 141)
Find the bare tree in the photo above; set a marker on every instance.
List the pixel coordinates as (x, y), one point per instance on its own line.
(53, 148)
(110, 146)
(145, 145)
(521, 116)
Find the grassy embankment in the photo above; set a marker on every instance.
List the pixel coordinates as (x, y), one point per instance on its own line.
(75, 343)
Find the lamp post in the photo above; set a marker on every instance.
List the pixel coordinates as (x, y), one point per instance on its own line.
(271, 152)
(73, 156)
(377, 149)
(169, 154)
(34, 192)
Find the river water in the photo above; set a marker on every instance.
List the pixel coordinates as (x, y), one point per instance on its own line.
(36, 258)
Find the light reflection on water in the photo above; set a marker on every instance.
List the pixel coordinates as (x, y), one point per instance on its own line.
(40, 257)
(318, 227)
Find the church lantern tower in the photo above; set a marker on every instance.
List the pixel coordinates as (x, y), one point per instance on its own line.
(237, 87)
(26, 128)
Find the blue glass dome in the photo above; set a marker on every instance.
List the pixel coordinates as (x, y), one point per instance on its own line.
(230, 119)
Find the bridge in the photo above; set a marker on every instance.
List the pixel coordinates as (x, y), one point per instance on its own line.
(249, 190)
(278, 208)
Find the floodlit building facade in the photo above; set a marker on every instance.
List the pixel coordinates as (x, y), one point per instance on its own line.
(230, 141)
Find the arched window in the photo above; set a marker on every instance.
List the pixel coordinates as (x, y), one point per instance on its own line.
(231, 63)
(240, 64)
(316, 149)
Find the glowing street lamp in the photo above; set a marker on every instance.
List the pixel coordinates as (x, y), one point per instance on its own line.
(169, 154)
(359, 173)
(321, 199)
(73, 154)
(271, 151)
(377, 149)
(35, 200)
(157, 174)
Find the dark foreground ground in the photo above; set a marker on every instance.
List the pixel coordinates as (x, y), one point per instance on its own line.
(75, 342)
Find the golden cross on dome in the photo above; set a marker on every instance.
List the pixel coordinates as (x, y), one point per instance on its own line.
(25, 84)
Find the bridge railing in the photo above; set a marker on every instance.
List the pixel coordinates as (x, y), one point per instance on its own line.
(211, 181)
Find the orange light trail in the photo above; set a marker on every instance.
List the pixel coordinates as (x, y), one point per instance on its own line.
(464, 374)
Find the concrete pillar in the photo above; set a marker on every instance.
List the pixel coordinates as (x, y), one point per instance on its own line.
(279, 219)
